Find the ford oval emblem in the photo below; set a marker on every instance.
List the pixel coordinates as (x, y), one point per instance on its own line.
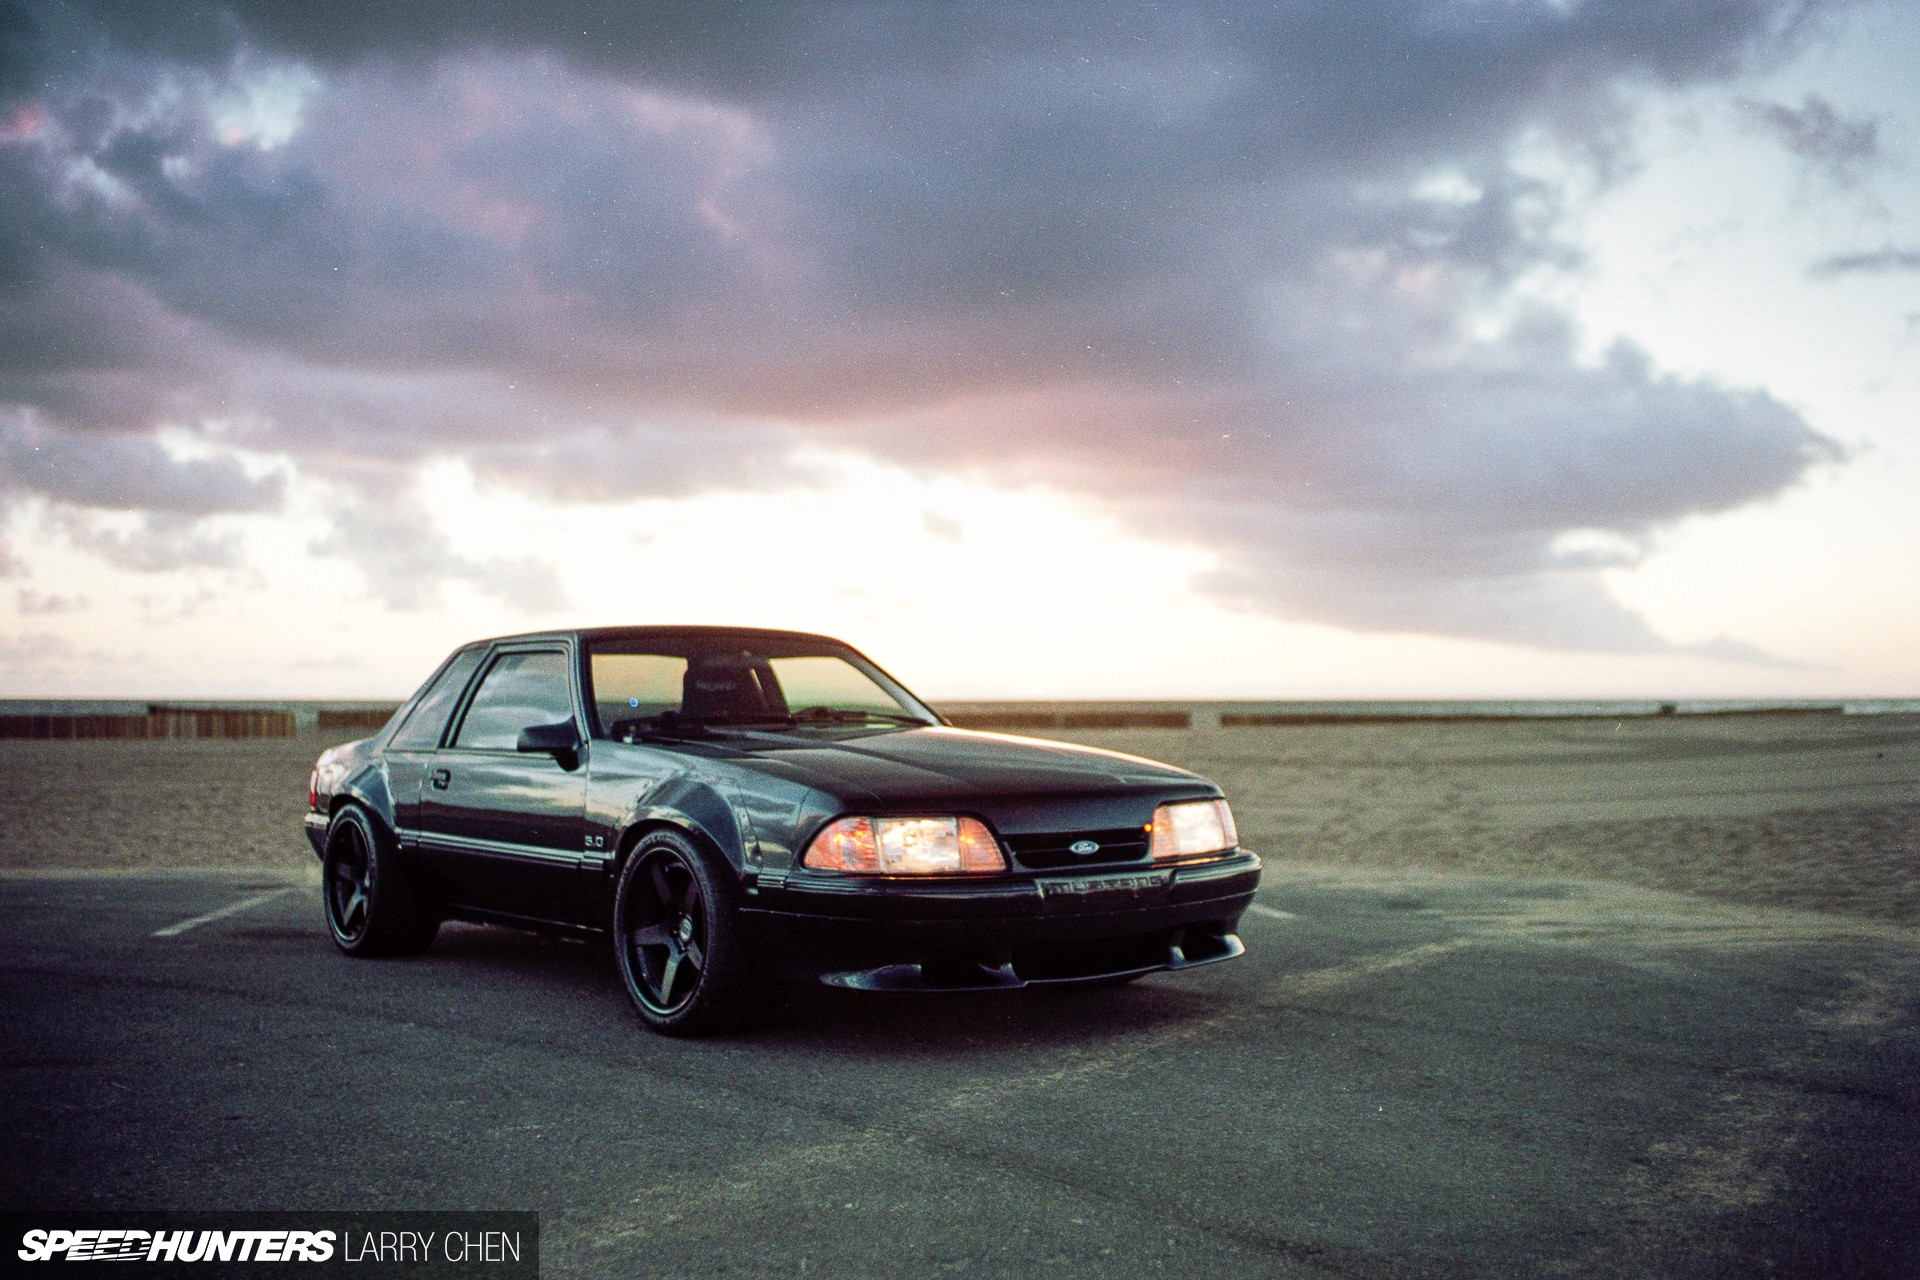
(1081, 848)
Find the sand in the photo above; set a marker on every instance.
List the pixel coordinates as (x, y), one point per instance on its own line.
(162, 803)
(1812, 812)
(1818, 812)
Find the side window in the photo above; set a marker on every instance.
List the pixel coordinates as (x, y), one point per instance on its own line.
(519, 690)
(421, 731)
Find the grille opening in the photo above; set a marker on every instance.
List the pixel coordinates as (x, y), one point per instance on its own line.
(1055, 848)
(1200, 943)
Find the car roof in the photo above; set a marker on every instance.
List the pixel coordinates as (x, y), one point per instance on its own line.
(644, 631)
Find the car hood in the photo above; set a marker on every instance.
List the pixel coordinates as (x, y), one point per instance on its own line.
(960, 767)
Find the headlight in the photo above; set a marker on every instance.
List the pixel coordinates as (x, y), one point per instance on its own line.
(905, 847)
(1191, 828)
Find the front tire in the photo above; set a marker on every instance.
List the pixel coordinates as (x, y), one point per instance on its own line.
(372, 909)
(679, 938)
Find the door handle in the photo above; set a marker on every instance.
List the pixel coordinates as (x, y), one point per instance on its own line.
(441, 777)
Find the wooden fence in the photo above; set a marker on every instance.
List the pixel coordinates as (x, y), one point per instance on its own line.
(159, 722)
(357, 718)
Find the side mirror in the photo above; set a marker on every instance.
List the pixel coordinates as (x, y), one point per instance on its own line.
(561, 741)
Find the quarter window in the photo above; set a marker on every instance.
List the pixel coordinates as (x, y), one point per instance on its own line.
(421, 731)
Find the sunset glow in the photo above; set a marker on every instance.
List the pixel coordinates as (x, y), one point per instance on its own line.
(1436, 350)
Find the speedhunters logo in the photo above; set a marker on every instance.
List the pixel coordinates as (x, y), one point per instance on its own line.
(500, 1246)
(122, 1245)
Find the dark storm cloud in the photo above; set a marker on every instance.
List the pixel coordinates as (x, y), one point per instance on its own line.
(1479, 499)
(160, 543)
(1348, 56)
(127, 474)
(1872, 262)
(1816, 132)
(1212, 264)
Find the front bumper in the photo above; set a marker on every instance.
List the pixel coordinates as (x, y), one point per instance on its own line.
(885, 934)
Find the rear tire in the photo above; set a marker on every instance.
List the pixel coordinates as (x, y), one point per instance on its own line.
(372, 908)
(679, 939)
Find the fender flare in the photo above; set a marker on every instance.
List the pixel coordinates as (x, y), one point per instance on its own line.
(695, 809)
(367, 787)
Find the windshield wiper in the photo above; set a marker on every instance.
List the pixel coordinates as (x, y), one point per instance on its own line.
(838, 715)
(681, 723)
(722, 717)
(672, 723)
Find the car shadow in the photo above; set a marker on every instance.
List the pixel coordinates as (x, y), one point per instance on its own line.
(824, 1019)
(861, 1023)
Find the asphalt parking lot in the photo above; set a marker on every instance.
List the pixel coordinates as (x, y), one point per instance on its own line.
(1406, 1076)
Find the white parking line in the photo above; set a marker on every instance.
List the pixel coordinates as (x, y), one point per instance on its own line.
(1271, 913)
(230, 909)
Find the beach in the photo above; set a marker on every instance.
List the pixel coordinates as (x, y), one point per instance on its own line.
(1816, 812)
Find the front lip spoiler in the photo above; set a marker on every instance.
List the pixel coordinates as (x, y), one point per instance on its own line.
(912, 977)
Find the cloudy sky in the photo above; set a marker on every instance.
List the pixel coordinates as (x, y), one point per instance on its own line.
(1455, 348)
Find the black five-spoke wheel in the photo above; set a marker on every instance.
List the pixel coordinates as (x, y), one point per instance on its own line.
(670, 949)
(371, 909)
(679, 938)
(349, 876)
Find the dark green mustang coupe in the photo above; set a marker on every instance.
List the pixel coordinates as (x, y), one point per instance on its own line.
(742, 808)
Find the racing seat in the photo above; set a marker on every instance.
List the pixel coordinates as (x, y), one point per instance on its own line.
(731, 684)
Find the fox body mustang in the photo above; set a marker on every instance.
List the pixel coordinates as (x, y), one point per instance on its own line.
(740, 808)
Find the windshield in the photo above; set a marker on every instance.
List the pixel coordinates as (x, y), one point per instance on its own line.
(667, 684)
